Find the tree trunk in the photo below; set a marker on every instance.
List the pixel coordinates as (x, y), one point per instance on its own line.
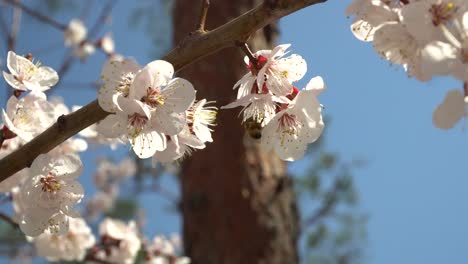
(238, 204)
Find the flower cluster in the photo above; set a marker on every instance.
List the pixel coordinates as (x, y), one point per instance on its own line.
(28, 112)
(156, 113)
(75, 36)
(163, 251)
(285, 118)
(72, 246)
(46, 198)
(427, 37)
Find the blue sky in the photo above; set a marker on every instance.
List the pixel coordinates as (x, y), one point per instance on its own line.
(414, 185)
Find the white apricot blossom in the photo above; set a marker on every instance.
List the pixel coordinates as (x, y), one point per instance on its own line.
(107, 44)
(84, 50)
(370, 15)
(75, 33)
(28, 116)
(119, 241)
(450, 56)
(260, 108)
(178, 146)
(49, 194)
(71, 246)
(200, 117)
(25, 75)
(118, 76)
(153, 108)
(297, 125)
(274, 70)
(164, 251)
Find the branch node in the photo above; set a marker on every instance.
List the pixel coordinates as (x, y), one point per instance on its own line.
(61, 123)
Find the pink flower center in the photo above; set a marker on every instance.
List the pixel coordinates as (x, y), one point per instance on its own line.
(288, 125)
(261, 61)
(153, 97)
(50, 183)
(137, 121)
(442, 13)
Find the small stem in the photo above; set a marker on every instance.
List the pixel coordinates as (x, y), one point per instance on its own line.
(37, 15)
(465, 89)
(2, 139)
(245, 48)
(106, 10)
(204, 12)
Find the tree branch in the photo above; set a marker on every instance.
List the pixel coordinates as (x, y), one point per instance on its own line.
(193, 48)
(37, 15)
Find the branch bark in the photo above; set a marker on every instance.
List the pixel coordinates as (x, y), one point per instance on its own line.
(193, 48)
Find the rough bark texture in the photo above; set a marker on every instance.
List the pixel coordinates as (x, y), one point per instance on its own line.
(238, 204)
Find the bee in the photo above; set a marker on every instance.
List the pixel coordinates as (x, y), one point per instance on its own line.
(253, 128)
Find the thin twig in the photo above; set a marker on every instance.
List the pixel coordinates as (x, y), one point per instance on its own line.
(15, 26)
(106, 10)
(245, 48)
(204, 12)
(37, 15)
(69, 59)
(8, 219)
(187, 52)
(465, 88)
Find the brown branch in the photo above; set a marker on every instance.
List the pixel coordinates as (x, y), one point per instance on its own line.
(204, 12)
(37, 15)
(8, 219)
(192, 49)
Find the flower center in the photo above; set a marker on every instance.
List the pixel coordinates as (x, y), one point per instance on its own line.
(153, 97)
(137, 121)
(203, 115)
(261, 61)
(50, 183)
(288, 126)
(125, 82)
(442, 13)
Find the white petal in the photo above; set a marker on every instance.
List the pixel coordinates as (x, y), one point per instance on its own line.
(112, 126)
(130, 106)
(147, 143)
(179, 95)
(169, 154)
(317, 85)
(168, 123)
(294, 66)
(68, 166)
(450, 111)
(46, 76)
(11, 80)
(439, 58)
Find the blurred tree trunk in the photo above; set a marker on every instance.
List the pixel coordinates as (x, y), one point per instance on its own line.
(238, 204)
